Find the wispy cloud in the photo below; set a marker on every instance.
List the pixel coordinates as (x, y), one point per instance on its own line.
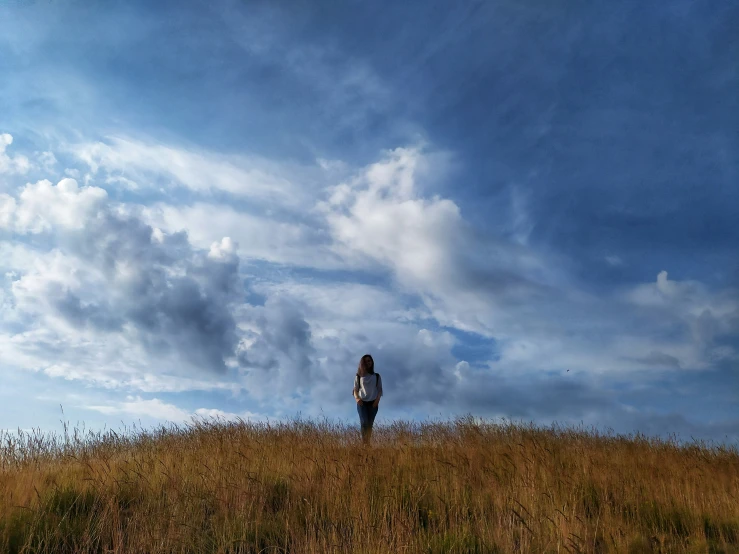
(154, 408)
(200, 171)
(280, 240)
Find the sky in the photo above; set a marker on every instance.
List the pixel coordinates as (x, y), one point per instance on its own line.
(523, 209)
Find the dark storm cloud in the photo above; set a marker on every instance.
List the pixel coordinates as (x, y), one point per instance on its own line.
(177, 298)
(282, 346)
(190, 310)
(155, 288)
(71, 308)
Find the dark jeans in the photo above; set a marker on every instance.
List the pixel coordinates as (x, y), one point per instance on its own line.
(367, 413)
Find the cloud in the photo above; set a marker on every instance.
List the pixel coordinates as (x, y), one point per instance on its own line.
(155, 298)
(154, 408)
(114, 275)
(225, 250)
(521, 222)
(43, 206)
(11, 164)
(342, 321)
(213, 413)
(47, 161)
(348, 90)
(686, 296)
(135, 162)
(541, 317)
(559, 272)
(277, 350)
(7, 210)
(705, 321)
(381, 217)
(423, 374)
(290, 241)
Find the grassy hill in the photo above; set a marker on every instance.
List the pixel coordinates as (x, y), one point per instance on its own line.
(305, 486)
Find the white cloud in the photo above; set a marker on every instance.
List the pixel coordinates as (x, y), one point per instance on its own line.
(42, 206)
(11, 164)
(47, 160)
(378, 217)
(685, 297)
(334, 305)
(223, 250)
(123, 181)
(257, 236)
(111, 368)
(51, 277)
(381, 217)
(134, 162)
(135, 406)
(154, 408)
(213, 413)
(7, 210)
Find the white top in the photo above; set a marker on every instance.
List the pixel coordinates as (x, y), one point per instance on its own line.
(369, 387)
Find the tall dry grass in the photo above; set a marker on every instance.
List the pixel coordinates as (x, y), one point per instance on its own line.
(303, 486)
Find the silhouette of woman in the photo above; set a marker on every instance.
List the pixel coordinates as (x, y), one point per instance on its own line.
(367, 392)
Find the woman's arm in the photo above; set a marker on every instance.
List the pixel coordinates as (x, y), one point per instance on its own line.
(355, 391)
(379, 392)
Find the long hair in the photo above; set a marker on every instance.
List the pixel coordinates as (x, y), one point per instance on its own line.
(367, 363)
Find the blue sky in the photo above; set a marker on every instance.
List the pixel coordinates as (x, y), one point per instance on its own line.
(521, 209)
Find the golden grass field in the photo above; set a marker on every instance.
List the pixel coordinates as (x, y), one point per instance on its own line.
(304, 486)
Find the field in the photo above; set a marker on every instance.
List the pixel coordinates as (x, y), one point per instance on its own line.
(311, 486)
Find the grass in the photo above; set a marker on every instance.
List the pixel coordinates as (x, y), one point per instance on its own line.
(312, 487)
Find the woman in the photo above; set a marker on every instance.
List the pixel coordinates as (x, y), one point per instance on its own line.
(367, 393)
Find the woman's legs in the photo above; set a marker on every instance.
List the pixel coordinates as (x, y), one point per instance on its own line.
(367, 413)
(363, 419)
(372, 413)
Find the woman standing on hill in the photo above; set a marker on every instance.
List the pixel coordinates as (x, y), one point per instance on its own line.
(367, 393)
